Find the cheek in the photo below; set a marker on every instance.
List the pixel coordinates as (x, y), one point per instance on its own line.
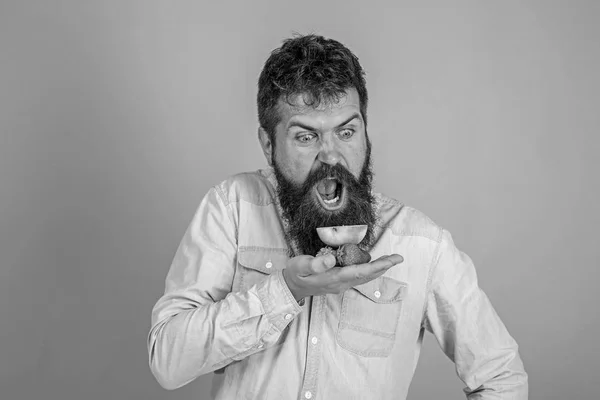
(358, 157)
(296, 167)
(302, 168)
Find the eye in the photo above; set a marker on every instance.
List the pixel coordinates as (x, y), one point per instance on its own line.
(307, 138)
(346, 133)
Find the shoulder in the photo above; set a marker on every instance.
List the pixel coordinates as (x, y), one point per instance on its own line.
(405, 220)
(252, 186)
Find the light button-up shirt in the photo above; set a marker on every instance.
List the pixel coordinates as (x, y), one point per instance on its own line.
(227, 309)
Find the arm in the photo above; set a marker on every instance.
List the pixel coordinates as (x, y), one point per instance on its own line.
(199, 325)
(469, 330)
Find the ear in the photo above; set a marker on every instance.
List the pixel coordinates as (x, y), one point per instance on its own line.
(265, 143)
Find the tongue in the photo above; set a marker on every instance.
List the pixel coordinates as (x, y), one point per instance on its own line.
(327, 187)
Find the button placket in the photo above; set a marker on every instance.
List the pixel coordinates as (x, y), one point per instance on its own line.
(313, 356)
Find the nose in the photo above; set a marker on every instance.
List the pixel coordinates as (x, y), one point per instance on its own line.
(329, 154)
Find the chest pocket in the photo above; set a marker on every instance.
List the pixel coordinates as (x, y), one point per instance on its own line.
(254, 264)
(369, 317)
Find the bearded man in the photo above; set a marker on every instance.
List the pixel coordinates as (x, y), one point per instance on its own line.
(249, 294)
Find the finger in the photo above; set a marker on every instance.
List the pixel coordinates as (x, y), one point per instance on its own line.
(302, 264)
(383, 263)
(361, 272)
(322, 264)
(388, 261)
(395, 258)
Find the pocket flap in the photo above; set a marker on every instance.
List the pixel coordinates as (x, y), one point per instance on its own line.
(263, 259)
(383, 290)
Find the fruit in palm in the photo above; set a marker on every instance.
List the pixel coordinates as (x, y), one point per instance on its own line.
(347, 254)
(342, 242)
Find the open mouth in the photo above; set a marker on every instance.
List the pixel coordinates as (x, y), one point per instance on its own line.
(331, 194)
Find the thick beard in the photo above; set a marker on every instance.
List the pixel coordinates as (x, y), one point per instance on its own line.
(304, 213)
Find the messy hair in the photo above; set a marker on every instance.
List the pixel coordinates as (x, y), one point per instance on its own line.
(319, 69)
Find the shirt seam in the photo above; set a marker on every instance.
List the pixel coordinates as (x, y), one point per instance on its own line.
(416, 234)
(227, 205)
(432, 268)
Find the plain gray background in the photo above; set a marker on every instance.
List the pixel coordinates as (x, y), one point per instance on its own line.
(117, 116)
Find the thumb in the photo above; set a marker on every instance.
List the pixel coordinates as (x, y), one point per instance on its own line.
(323, 263)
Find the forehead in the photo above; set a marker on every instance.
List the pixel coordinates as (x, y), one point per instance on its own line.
(328, 110)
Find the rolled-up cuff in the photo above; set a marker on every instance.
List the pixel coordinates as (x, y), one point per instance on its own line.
(278, 301)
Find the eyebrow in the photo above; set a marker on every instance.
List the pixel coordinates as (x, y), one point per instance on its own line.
(310, 128)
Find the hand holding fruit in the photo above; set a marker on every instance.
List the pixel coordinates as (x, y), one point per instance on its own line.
(306, 275)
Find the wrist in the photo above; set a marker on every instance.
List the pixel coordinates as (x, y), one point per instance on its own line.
(294, 290)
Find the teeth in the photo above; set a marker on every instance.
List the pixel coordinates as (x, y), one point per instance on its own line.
(334, 200)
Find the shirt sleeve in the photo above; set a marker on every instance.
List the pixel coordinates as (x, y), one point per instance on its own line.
(199, 325)
(470, 332)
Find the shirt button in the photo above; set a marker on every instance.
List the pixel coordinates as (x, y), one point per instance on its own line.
(377, 294)
(288, 316)
(260, 346)
(308, 394)
(314, 340)
(269, 264)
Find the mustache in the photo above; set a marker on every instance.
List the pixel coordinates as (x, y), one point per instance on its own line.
(338, 172)
(308, 214)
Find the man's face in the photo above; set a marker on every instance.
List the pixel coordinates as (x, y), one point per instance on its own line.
(323, 168)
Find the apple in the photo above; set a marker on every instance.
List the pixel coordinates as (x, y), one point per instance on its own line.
(336, 236)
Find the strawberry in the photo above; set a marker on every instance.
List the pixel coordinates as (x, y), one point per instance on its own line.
(325, 250)
(347, 254)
